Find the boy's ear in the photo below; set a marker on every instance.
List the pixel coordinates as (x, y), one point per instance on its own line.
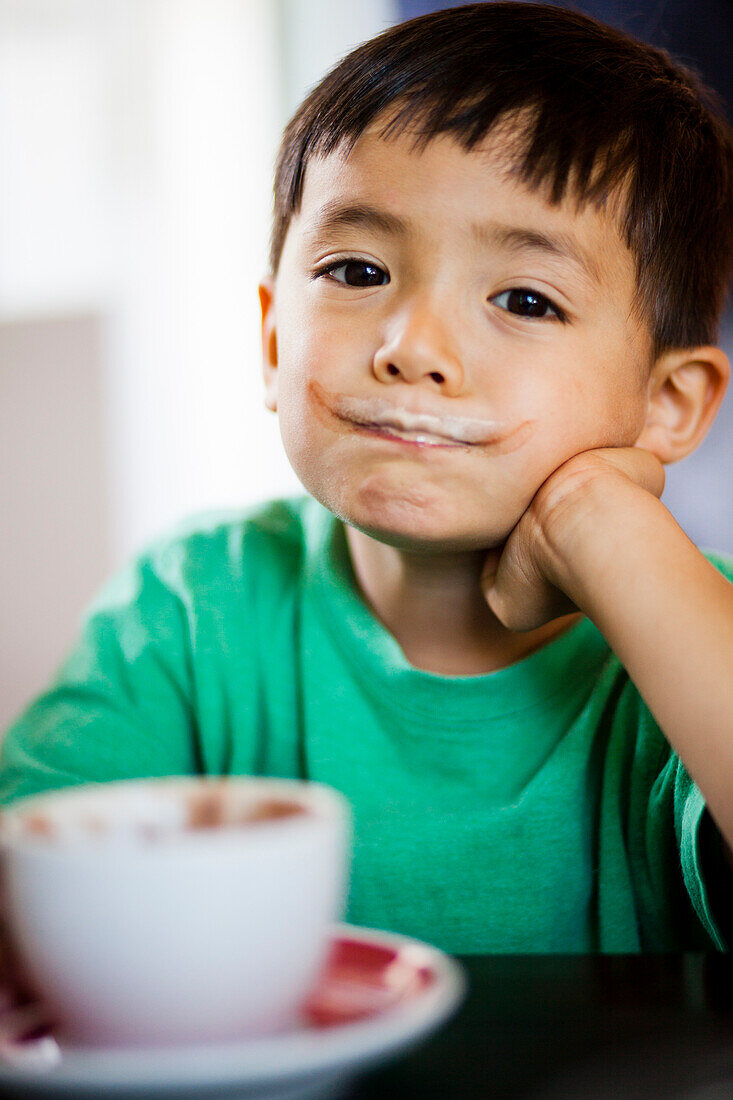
(686, 387)
(269, 341)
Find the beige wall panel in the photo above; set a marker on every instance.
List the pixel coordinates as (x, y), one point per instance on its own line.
(54, 547)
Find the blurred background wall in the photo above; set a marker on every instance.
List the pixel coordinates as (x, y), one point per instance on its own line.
(137, 140)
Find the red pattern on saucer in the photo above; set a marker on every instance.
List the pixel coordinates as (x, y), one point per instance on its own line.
(360, 980)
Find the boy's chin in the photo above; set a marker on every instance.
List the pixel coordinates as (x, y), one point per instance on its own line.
(424, 533)
(417, 516)
(436, 544)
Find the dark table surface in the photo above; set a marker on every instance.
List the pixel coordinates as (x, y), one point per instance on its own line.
(591, 1027)
(555, 1028)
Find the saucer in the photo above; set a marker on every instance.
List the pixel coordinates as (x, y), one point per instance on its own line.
(379, 994)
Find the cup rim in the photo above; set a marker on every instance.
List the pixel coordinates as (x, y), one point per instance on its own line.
(323, 804)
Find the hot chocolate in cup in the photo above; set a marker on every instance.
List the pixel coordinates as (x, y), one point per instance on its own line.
(174, 910)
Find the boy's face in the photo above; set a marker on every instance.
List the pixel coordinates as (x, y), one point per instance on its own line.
(429, 285)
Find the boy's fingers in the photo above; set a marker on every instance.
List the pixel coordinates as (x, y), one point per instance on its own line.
(522, 601)
(638, 464)
(512, 581)
(491, 564)
(515, 589)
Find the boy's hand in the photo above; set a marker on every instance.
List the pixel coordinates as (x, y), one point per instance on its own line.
(529, 581)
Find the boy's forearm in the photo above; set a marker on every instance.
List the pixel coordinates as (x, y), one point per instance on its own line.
(668, 615)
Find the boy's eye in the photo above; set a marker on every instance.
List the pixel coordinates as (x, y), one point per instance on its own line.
(527, 303)
(357, 273)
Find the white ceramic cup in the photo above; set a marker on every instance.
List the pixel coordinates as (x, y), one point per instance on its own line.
(157, 911)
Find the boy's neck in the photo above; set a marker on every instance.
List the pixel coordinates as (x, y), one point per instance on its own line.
(434, 608)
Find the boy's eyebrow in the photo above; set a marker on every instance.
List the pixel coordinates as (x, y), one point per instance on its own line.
(520, 239)
(338, 215)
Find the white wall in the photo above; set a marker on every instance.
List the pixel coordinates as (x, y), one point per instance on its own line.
(137, 139)
(314, 34)
(196, 97)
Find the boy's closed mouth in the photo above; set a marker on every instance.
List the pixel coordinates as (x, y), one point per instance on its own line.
(402, 424)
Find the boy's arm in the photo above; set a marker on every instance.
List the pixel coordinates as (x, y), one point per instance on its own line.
(596, 537)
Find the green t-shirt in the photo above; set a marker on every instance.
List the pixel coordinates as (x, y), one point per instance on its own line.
(537, 808)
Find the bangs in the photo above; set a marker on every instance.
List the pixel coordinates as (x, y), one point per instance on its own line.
(572, 159)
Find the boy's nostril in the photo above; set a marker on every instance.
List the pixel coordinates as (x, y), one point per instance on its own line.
(437, 376)
(392, 369)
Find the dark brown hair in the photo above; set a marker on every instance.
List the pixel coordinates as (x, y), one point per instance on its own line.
(602, 113)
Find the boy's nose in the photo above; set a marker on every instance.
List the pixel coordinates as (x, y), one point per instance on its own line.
(419, 349)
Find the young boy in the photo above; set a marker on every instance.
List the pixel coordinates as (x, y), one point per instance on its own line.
(503, 236)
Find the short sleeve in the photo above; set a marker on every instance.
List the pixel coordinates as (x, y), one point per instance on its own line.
(678, 867)
(717, 875)
(699, 872)
(674, 877)
(120, 706)
(707, 874)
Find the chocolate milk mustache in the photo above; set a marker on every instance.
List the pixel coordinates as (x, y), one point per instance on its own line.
(379, 412)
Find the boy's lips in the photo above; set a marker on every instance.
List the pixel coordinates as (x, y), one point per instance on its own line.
(417, 426)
